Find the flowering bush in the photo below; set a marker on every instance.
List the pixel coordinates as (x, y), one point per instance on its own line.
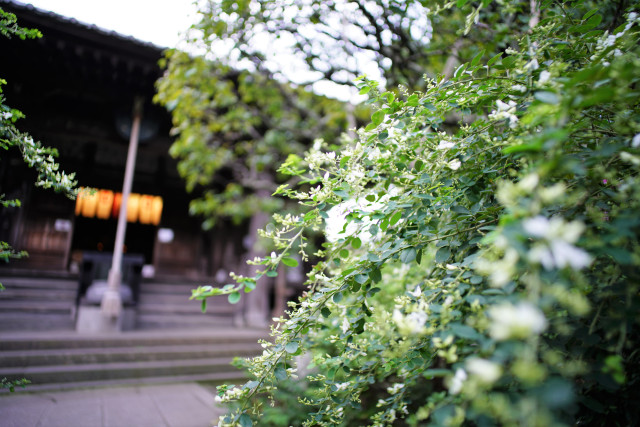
(487, 271)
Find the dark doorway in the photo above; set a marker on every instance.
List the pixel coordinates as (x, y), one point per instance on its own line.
(92, 234)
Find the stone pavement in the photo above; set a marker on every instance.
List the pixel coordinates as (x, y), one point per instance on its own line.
(164, 405)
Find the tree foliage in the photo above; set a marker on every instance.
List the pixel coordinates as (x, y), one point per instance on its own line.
(488, 272)
(235, 127)
(34, 154)
(314, 40)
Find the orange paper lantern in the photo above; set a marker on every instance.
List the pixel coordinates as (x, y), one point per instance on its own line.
(133, 207)
(89, 203)
(117, 202)
(105, 204)
(146, 204)
(156, 210)
(79, 200)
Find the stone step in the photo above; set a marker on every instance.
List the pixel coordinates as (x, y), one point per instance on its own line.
(35, 306)
(147, 321)
(38, 294)
(77, 356)
(193, 307)
(51, 374)
(10, 341)
(209, 380)
(38, 283)
(168, 289)
(11, 320)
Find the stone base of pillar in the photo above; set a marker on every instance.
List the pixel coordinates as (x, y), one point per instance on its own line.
(90, 319)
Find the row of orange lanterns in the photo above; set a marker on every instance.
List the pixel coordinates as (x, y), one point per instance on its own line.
(105, 204)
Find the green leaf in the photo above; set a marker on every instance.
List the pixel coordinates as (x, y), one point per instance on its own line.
(272, 273)
(395, 218)
(371, 198)
(245, 421)
(408, 255)
(356, 243)
(546, 97)
(337, 297)
(377, 117)
(325, 312)
(494, 59)
(280, 373)
(203, 306)
(344, 253)
(375, 275)
(290, 262)
(476, 59)
(443, 254)
(509, 62)
(291, 347)
(234, 297)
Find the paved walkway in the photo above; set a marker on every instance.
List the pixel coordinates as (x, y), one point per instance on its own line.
(166, 405)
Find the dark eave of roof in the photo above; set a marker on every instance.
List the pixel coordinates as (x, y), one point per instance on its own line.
(31, 16)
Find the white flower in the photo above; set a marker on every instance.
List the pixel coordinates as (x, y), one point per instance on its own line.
(341, 386)
(509, 108)
(537, 226)
(412, 323)
(556, 250)
(635, 142)
(345, 325)
(6, 115)
(416, 293)
(566, 254)
(532, 65)
(394, 389)
(505, 111)
(529, 182)
(516, 321)
(544, 77)
(519, 88)
(456, 382)
(444, 145)
(484, 370)
(454, 164)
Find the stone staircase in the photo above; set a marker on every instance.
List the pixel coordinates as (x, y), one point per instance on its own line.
(173, 340)
(46, 303)
(36, 304)
(57, 360)
(167, 306)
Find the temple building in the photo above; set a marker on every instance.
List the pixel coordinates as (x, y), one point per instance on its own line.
(76, 86)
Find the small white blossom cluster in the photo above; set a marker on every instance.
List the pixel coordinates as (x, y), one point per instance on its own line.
(478, 371)
(394, 389)
(413, 323)
(505, 111)
(555, 248)
(518, 321)
(229, 395)
(316, 159)
(544, 77)
(43, 161)
(609, 40)
(457, 381)
(500, 271)
(6, 115)
(484, 371)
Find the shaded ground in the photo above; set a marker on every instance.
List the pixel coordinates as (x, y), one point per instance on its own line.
(166, 405)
